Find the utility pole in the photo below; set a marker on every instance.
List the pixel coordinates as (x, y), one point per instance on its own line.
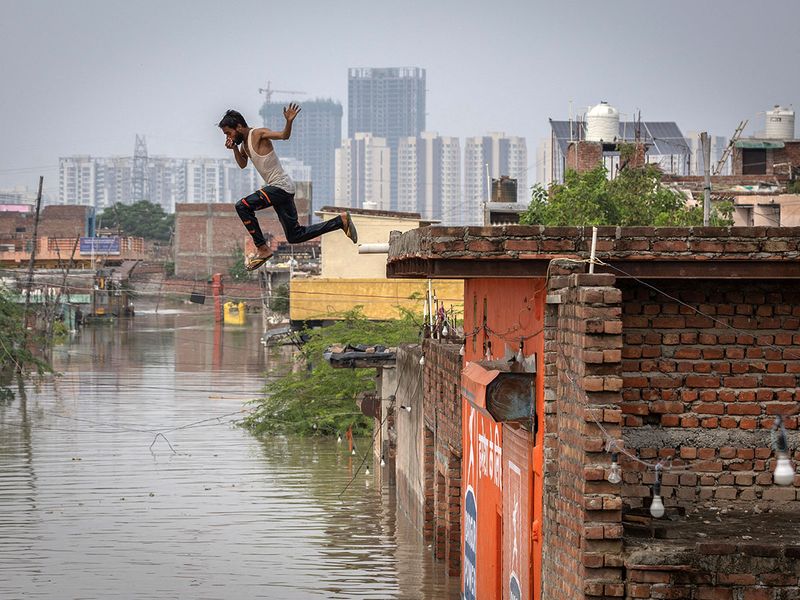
(707, 178)
(34, 243)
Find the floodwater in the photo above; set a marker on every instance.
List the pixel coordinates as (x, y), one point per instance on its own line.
(125, 478)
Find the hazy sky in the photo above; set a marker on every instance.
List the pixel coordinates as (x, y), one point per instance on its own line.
(83, 77)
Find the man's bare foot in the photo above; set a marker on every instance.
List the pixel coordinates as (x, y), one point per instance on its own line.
(348, 227)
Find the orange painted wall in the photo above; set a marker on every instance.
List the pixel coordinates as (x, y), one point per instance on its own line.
(502, 316)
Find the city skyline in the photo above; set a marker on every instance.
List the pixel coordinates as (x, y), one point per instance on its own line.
(174, 86)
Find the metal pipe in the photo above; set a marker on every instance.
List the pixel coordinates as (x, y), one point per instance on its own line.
(594, 249)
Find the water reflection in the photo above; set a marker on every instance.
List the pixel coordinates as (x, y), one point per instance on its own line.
(87, 510)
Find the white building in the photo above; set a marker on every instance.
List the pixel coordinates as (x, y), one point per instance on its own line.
(429, 177)
(718, 145)
(543, 160)
(104, 181)
(504, 155)
(363, 172)
(78, 180)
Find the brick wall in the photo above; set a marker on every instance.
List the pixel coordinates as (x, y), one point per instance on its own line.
(584, 156)
(707, 395)
(582, 520)
(207, 236)
(768, 245)
(442, 399)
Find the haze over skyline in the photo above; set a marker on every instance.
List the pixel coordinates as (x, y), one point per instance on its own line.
(84, 77)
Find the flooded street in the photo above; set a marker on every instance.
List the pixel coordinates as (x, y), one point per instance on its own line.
(88, 509)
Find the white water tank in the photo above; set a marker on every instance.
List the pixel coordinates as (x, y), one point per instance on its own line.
(780, 123)
(602, 123)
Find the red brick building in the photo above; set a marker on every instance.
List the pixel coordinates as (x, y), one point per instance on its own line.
(676, 355)
(207, 236)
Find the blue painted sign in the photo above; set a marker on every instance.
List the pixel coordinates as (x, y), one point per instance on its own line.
(470, 544)
(99, 245)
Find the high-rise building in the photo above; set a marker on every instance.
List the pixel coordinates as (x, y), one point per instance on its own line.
(544, 174)
(388, 103)
(504, 155)
(718, 145)
(429, 177)
(363, 172)
(78, 180)
(316, 135)
(104, 181)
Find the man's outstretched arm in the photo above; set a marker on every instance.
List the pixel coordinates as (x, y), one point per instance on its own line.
(290, 112)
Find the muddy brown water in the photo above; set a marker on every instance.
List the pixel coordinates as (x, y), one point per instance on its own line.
(89, 510)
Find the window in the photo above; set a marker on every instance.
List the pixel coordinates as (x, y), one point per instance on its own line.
(754, 161)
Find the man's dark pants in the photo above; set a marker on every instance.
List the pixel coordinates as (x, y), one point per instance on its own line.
(283, 203)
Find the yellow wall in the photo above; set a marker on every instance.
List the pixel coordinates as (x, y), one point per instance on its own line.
(340, 257)
(322, 298)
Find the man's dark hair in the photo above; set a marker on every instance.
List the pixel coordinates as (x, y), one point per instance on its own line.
(232, 119)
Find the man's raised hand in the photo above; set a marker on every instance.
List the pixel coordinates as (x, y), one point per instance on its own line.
(290, 112)
(229, 143)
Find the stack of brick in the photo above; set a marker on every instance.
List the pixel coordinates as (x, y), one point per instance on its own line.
(442, 401)
(582, 515)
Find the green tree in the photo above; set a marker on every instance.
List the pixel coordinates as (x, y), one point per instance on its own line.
(635, 197)
(140, 219)
(319, 395)
(15, 346)
(238, 271)
(279, 302)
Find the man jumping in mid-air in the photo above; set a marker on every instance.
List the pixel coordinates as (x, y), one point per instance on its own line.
(279, 189)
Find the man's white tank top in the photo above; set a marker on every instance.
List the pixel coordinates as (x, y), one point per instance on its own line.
(269, 167)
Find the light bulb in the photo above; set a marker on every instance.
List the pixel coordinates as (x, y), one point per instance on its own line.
(519, 357)
(461, 352)
(488, 355)
(784, 471)
(657, 507)
(615, 474)
(383, 462)
(406, 408)
(314, 426)
(353, 452)
(338, 439)
(445, 331)
(367, 472)
(422, 360)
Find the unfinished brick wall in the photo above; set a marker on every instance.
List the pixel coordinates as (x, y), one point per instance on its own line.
(706, 394)
(208, 235)
(582, 520)
(442, 400)
(584, 156)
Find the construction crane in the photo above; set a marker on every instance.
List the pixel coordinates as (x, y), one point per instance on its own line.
(729, 148)
(268, 91)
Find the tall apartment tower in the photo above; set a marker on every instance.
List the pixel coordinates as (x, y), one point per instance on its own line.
(388, 103)
(316, 135)
(78, 180)
(718, 145)
(363, 172)
(505, 155)
(429, 177)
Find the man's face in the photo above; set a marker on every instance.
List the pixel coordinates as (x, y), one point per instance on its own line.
(233, 134)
